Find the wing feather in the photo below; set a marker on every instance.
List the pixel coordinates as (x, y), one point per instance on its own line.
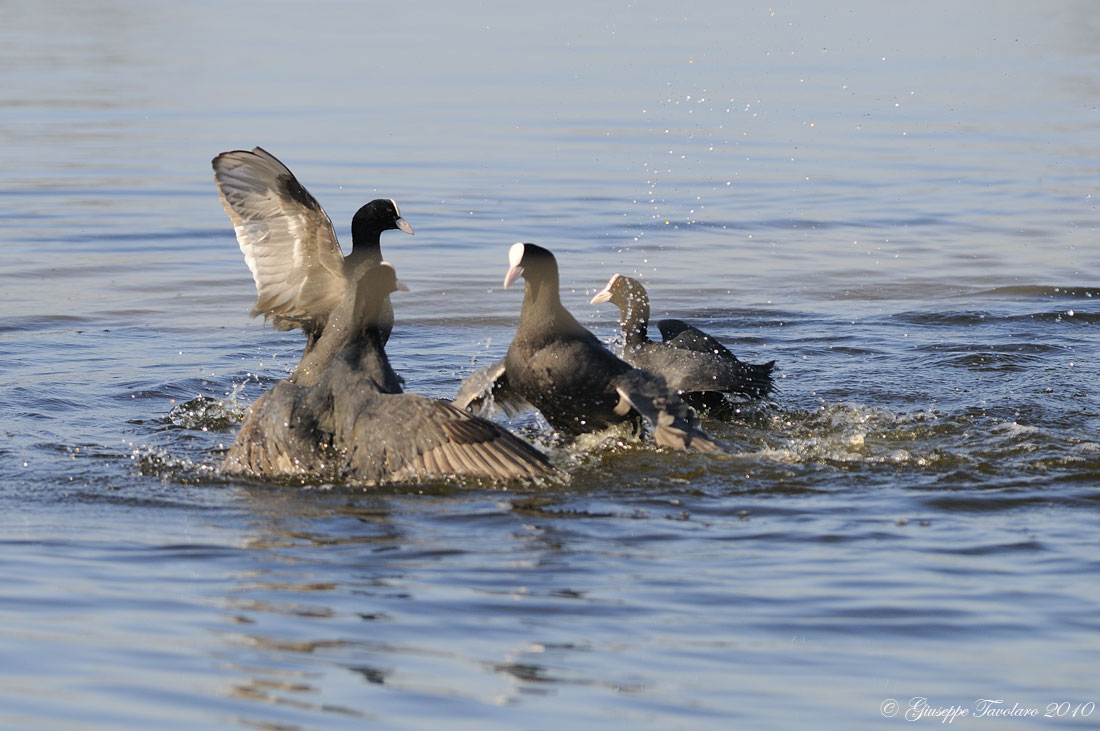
(286, 237)
(486, 390)
(451, 441)
(674, 423)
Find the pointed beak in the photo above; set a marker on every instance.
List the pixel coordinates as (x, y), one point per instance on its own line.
(604, 295)
(404, 226)
(513, 274)
(401, 286)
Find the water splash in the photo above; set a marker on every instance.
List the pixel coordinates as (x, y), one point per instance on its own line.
(206, 413)
(158, 462)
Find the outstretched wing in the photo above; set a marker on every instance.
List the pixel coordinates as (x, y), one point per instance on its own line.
(487, 389)
(674, 423)
(450, 441)
(357, 434)
(286, 237)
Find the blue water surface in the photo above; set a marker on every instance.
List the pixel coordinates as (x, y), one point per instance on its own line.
(896, 204)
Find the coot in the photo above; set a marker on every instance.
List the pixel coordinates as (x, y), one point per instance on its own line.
(693, 362)
(563, 370)
(341, 416)
(289, 244)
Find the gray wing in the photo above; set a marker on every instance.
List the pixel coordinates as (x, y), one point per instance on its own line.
(680, 334)
(706, 364)
(373, 438)
(487, 389)
(674, 423)
(683, 370)
(286, 237)
(449, 441)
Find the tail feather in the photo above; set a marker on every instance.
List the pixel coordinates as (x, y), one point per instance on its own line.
(756, 380)
(674, 423)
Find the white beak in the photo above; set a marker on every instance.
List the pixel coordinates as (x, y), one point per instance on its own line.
(604, 295)
(513, 274)
(515, 271)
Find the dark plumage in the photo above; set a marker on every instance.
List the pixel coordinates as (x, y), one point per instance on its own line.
(560, 368)
(693, 363)
(289, 244)
(341, 416)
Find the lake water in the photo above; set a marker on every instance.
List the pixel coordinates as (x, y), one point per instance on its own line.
(896, 204)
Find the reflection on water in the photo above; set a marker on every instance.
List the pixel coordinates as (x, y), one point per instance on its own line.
(904, 222)
(411, 601)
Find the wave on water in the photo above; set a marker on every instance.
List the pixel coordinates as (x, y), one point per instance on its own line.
(1038, 291)
(1008, 358)
(934, 444)
(984, 446)
(988, 318)
(841, 433)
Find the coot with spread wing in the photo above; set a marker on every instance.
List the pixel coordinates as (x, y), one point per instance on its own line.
(289, 244)
(341, 416)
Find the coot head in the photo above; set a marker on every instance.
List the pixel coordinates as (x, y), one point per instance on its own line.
(377, 216)
(620, 291)
(532, 262)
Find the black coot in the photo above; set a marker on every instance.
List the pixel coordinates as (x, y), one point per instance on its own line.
(289, 244)
(693, 363)
(341, 416)
(560, 368)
